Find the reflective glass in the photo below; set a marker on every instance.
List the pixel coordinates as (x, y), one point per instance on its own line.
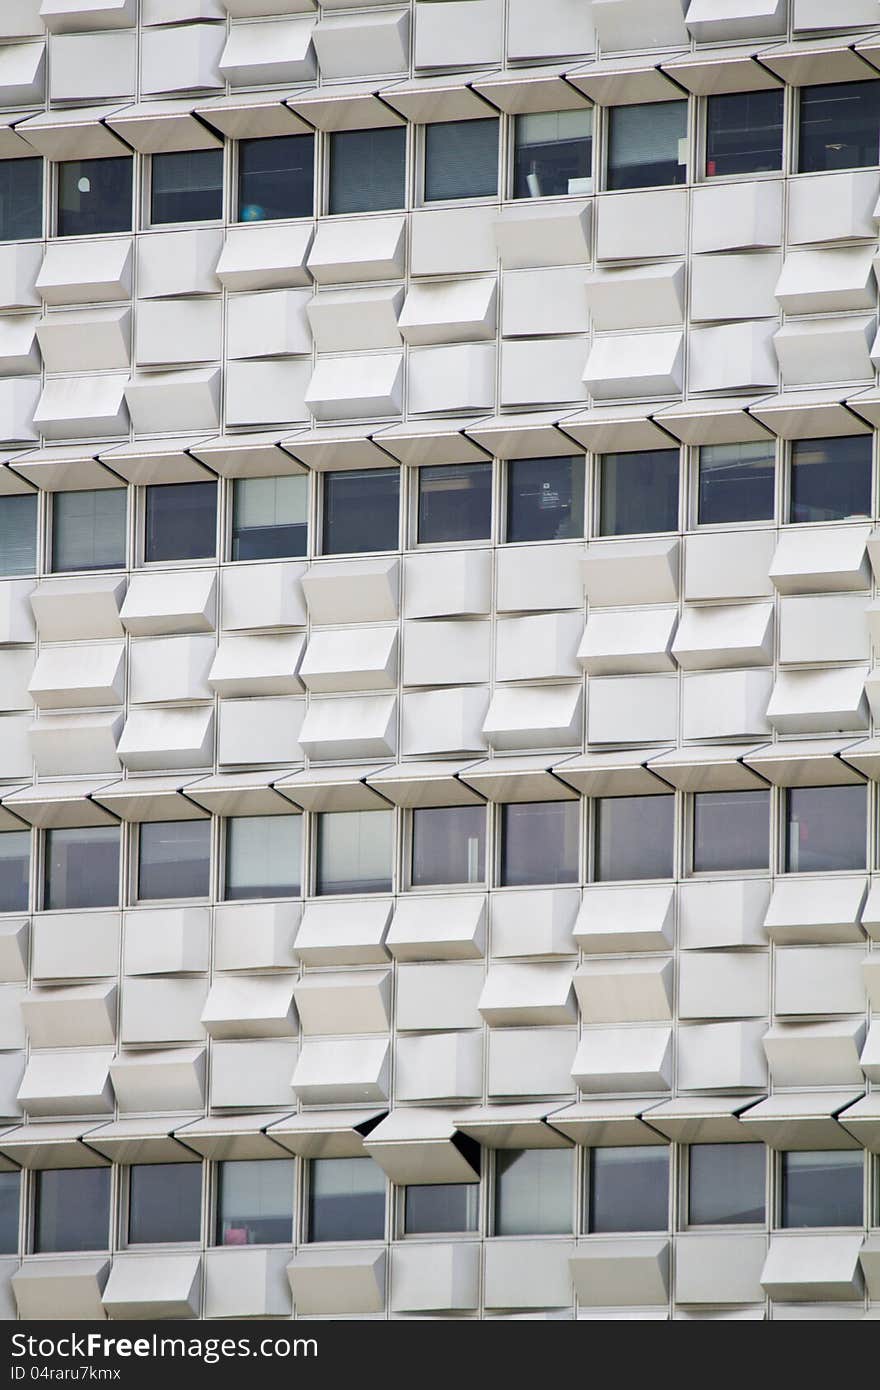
(88, 529)
(181, 522)
(361, 510)
(635, 837)
(539, 842)
(553, 154)
(545, 499)
(82, 867)
(187, 186)
(346, 1199)
(270, 517)
(639, 492)
(455, 503)
(276, 178)
(448, 845)
(737, 482)
(94, 196)
(744, 132)
(255, 1202)
(174, 859)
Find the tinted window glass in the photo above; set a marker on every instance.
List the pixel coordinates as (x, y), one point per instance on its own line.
(361, 511)
(545, 499)
(94, 196)
(455, 503)
(539, 842)
(368, 170)
(72, 1209)
(270, 517)
(553, 154)
(174, 859)
(346, 1199)
(629, 1188)
(187, 186)
(461, 160)
(533, 1192)
(731, 831)
(645, 145)
(255, 1202)
(822, 1189)
(639, 492)
(263, 856)
(276, 178)
(726, 1184)
(830, 478)
(825, 829)
(736, 482)
(181, 522)
(634, 837)
(88, 529)
(10, 1193)
(15, 859)
(82, 867)
(21, 199)
(744, 132)
(441, 1207)
(355, 851)
(448, 845)
(839, 125)
(164, 1202)
(18, 534)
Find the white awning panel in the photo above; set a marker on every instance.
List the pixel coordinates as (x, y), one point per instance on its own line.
(725, 420)
(251, 115)
(168, 125)
(142, 1140)
(614, 428)
(51, 1145)
(52, 805)
(422, 1145)
(326, 1133)
(801, 1120)
(241, 794)
(523, 436)
(705, 768)
(607, 1123)
(246, 456)
(426, 784)
(422, 442)
(512, 1126)
(703, 1119)
(74, 133)
(804, 763)
(622, 773)
(332, 789)
(230, 1137)
(150, 799)
(355, 106)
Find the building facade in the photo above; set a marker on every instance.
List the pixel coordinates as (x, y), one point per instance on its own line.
(438, 837)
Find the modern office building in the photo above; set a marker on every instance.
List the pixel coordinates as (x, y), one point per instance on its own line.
(439, 868)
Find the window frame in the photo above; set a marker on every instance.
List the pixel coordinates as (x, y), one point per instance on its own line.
(324, 160)
(406, 832)
(211, 1189)
(48, 549)
(684, 1189)
(412, 507)
(147, 222)
(303, 1215)
(319, 533)
(47, 200)
(595, 470)
(778, 1164)
(139, 510)
(601, 184)
(781, 837)
(585, 1192)
(785, 465)
(221, 855)
(419, 146)
(688, 837)
(492, 1184)
(596, 161)
(226, 516)
(41, 893)
(697, 172)
(133, 898)
(691, 470)
(320, 173)
(505, 473)
(122, 1224)
(52, 203)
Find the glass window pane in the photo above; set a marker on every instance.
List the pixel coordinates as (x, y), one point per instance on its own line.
(10, 1195)
(94, 196)
(270, 517)
(448, 845)
(88, 529)
(455, 503)
(21, 199)
(15, 860)
(629, 1188)
(736, 482)
(355, 851)
(830, 478)
(255, 1202)
(18, 534)
(368, 170)
(539, 842)
(181, 522)
(553, 154)
(533, 1192)
(639, 492)
(174, 859)
(82, 867)
(164, 1202)
(72, 1209)
(263, 856)
(839, 126)
(441, 1207)
(822, 1189)
(635, 837)
(461, 160)
(744, 132)
(726, 1184)
(276, 178)
(187, 186)
(545, 499)
(346, 1199)
(826, 829)
(647, 144)
(361, 511)
(731, 831)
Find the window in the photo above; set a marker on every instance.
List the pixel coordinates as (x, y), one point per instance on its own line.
(270, 517)
(276, 178)
(263, 856)
(164, 1203)
(94, 196)
(825, 829)
(639, 492)
(88, 529)
(731, 831)
(545, 499)
(726, 1184)
(82, 867)
(187, 186)
(448, 845)
(744, 132)
(255, 1202)
(736, 483)
(553, 154)
(839, 126)
(368, 170)
(539, 842)
(174, 859)
(72, 1209)
(21, 199)
(15, 860)
(461, 160)
(441, 1207)
(355, 851)
(455, 503)
(629, 1189)
(647, 145)
(181, 522)
(10, 1193)
(830, 478)
(822, 1189)
(634, 837)
(18, 534)
(346, 1199)
(361, 511)
(533, 1192)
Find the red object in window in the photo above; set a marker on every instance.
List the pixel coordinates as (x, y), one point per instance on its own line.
(710, 166)
(235, 1235)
